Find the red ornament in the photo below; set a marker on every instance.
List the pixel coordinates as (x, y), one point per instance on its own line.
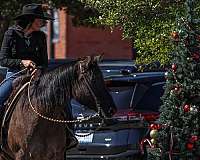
(196, 56)
(186, 108)
(194, 138)
(189, 146)
(177, 90)
(175, 36)
(153, 126)
(187, 41)
(198, 37)
(174, 67)
(158, 126)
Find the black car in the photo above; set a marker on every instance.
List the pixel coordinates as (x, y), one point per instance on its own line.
(137, 97)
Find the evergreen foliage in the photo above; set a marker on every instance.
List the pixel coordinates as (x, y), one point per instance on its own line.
(179, 138)
(147, 23)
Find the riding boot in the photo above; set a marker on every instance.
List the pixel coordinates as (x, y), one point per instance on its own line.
(71, 139)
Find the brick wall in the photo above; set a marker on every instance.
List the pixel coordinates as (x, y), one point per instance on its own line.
(60, 47)
(75, 42)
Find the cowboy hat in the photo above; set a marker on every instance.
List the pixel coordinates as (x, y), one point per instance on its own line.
(35, 10)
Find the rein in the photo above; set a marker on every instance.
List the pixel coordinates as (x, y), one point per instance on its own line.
(68, 121)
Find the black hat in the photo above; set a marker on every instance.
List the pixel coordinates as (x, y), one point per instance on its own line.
(35, 10)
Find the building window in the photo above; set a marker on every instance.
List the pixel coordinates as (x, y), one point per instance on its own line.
(56, 26)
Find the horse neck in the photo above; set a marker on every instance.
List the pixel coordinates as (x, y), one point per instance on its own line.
(55, 88)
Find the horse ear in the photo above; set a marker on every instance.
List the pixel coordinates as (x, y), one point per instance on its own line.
(85, 59)
(98, 58)
(88, 60)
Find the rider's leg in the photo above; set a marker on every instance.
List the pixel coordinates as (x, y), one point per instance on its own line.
(5, 91)
(6, 87)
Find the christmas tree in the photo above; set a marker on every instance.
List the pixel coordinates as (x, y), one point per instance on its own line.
(176, 136)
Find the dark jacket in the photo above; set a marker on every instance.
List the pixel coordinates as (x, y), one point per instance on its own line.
(16, 47)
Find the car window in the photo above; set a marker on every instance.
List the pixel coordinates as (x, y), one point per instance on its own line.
(122, 96)
(151, 99)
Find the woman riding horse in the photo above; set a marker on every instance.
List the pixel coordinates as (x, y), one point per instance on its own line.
(24, 46)
(37, 128)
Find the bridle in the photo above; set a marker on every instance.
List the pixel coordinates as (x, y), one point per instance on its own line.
(99, 114)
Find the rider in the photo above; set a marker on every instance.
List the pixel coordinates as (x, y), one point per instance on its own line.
(24, 46)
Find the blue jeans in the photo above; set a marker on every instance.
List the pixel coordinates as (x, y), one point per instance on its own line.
(6, 87)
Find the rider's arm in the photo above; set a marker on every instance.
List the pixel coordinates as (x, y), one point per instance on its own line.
(43, 62)
(7, 49)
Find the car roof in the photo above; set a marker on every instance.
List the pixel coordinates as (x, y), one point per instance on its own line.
(107, 66)
(106, 62)
(117, 63)
(119, 70)
(140, 76)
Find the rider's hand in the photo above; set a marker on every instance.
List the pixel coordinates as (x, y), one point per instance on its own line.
(28, 64)
(33, 72)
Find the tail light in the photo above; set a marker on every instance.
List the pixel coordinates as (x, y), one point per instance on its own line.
(132, 115)
(108, 83)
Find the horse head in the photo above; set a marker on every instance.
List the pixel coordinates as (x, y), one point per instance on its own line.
(90, 89)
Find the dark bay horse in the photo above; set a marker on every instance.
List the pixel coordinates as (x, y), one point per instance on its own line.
(31, 137)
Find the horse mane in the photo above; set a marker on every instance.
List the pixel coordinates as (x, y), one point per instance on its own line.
(53, 88)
